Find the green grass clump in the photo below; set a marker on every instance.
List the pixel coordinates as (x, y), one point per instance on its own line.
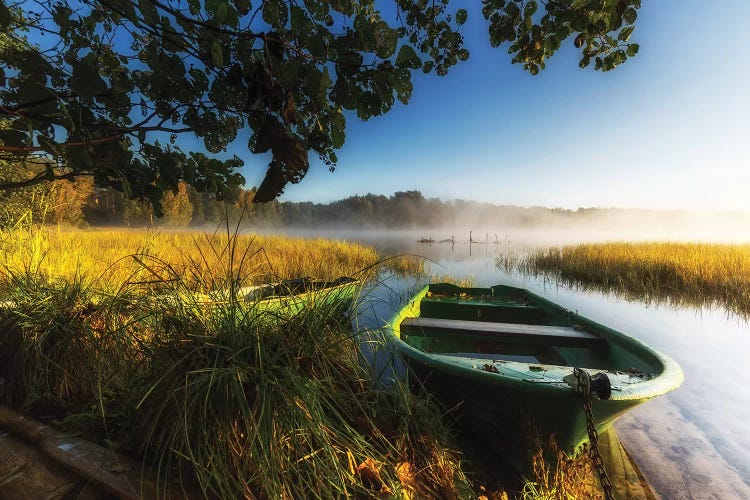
(268, 406)
(60, 338)
(680, 273)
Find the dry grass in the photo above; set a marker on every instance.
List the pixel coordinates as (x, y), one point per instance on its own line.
(680, 273)
(132, 256)
(569, 478)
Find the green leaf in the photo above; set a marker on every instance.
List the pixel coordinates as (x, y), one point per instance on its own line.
(461, 16)
(318, 8)
(316, 46)
(512, 10)
(4, 15)
(242, 6)
(271, 12)
(385, 40)
(632, 49)
(299, 18)
(217, 53)
(408, 58)
(625, 33)
(325, 81)
(630, 15)
(530, 9)
(221, 13)
(549, 45)
(194, 6)
(338, 126)
(2, 77)
(149, 11)
(86, 81)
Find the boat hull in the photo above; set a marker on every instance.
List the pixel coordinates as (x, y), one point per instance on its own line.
(516, 407)
(514, 422)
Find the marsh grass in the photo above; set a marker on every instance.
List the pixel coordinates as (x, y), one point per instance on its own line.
(117, 257)
(228, 398)
(692, 274)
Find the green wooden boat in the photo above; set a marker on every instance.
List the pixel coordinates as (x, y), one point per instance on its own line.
(290, 297)
(499, 355)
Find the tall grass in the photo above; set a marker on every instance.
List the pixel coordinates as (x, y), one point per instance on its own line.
(137, 256)
(231, 399)
(680, 273)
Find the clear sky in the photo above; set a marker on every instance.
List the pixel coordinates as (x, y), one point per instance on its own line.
(668, 129)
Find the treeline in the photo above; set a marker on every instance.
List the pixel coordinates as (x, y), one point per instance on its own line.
(79, 203)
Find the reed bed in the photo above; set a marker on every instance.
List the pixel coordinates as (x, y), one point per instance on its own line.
(145, 256)
(696, 274)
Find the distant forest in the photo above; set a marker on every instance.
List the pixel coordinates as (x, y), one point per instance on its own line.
(81, 204)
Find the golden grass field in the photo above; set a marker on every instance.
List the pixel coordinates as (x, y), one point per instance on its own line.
(683, 273)
(116, 256)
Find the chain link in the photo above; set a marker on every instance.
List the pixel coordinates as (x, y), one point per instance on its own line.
(583, 387)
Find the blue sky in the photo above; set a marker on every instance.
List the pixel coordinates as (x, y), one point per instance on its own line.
(668, 130)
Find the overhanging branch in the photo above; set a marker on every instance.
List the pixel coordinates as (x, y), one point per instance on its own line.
(39, 179)
(28, 149)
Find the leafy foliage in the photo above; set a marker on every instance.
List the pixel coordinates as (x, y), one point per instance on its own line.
(104, 87)
(601, 29)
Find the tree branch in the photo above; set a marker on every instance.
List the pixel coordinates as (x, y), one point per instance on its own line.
(39, 179)
(26, 149)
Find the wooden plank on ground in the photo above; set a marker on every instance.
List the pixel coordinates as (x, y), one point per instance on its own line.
(559, 335)
(115, 474)
(26, 473)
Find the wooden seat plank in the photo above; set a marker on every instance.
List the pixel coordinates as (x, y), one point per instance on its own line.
(562, 335)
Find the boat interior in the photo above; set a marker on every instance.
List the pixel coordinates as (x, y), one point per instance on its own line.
(504, 323)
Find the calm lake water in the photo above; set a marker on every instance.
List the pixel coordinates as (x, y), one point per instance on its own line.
(691, 443)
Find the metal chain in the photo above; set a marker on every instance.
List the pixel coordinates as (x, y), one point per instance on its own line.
(584, 388)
